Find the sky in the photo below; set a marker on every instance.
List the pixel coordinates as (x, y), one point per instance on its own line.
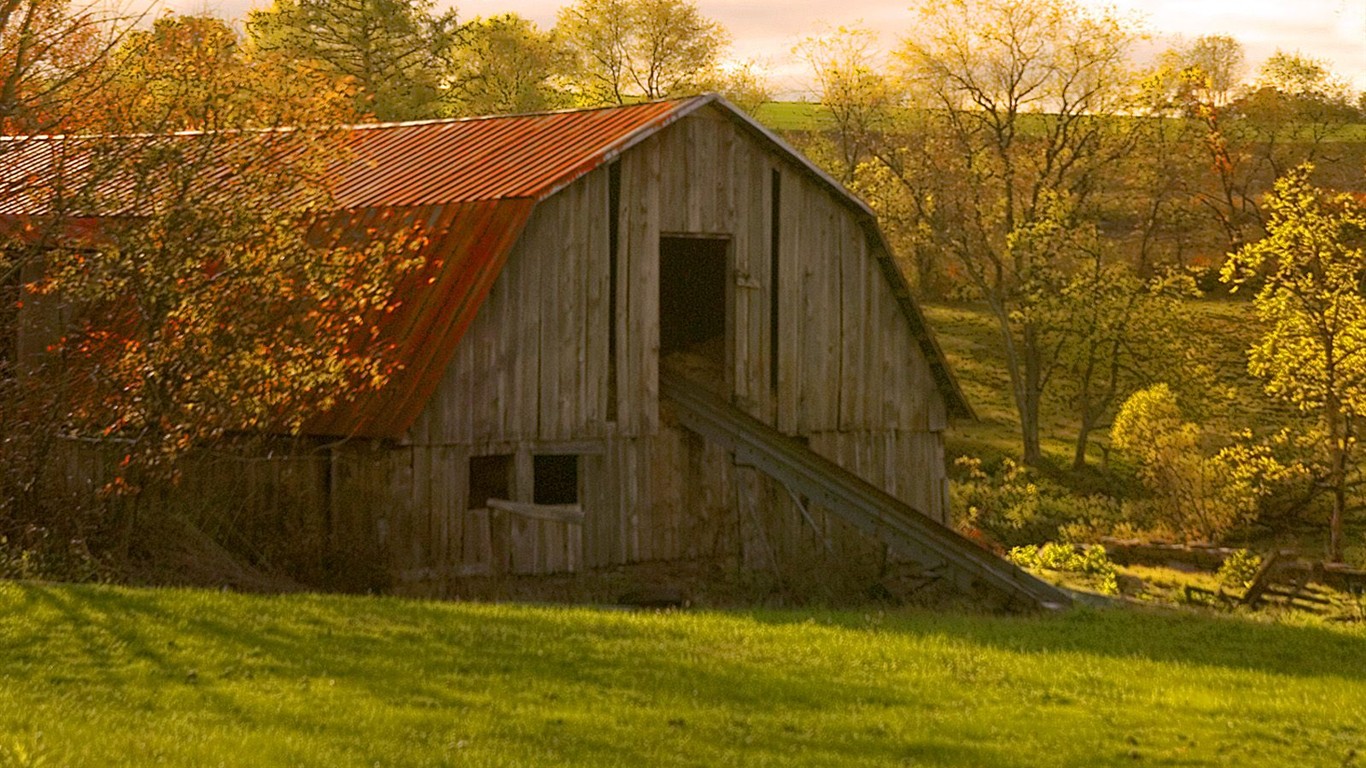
(767, 30)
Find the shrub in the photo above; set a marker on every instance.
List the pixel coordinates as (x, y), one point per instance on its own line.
(1012, 507)
(1239, 568)
(1091, 561)
(1198, 492)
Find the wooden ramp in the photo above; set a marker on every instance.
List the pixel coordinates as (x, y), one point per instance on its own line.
(935, 546)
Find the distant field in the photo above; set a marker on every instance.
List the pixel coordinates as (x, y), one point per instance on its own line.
(103, 676)
(793, 116)
(807, 116)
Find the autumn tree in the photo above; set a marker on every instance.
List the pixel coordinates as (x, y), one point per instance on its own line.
(1311, 267)
(1022, 96)
(192, 73)
(1287, 116)
(649, 49)
(52, 56)
(504, 65)
(165, 354)
(1209, 71)
(392, 51)
(1105, 331)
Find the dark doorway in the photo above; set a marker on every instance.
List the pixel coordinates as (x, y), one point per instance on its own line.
(692, 296)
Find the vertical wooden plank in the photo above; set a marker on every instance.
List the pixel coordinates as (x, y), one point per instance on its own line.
(569, 350)
(592, 286)
(791, 317)
(640, 373)
(549, 302)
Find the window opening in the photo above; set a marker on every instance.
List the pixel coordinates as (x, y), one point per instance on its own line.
(490, 478)
(556, 479)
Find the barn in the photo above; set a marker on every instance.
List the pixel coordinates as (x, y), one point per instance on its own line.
(647, 334)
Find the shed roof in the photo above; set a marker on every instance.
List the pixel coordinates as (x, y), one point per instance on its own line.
(475, 183)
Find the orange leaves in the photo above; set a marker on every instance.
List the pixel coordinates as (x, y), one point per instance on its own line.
(228, 304)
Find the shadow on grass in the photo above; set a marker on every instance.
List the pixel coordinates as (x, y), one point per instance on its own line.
(1156, 635)
(635, 686)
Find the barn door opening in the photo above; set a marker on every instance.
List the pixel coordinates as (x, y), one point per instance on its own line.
(692, 307)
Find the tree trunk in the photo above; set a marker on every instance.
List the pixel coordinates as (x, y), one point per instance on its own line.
(1030, 402)
(1083, 437)
(1337, 444)
(1022, 365)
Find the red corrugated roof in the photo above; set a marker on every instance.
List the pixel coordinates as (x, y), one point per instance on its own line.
(490, 158)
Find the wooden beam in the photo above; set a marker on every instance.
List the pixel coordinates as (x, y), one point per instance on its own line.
(555, 513)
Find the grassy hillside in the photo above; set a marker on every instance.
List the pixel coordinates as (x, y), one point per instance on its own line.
(102, 676)
(971, 340)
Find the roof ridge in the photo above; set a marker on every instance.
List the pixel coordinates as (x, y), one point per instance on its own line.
(517, 115)
(384, 124)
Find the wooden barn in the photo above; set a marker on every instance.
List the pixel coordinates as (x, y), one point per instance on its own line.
(652, 333)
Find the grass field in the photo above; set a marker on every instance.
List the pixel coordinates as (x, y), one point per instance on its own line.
(807, 116)
(93, 676)
(793, 116)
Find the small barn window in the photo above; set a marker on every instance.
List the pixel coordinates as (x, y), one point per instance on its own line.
(490, 478)
(556, 479)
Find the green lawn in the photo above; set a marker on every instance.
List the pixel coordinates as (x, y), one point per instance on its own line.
(108, 676)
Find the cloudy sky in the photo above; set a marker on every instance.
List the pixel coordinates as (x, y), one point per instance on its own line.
(767, 30)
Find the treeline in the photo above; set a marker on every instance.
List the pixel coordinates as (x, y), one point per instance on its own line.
(314, 62)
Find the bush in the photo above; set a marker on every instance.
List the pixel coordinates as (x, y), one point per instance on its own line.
(1239, 568)
(1199, 492)
(1012, 507)
(1091, 561)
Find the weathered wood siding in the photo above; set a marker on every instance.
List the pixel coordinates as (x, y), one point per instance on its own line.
(532, 376)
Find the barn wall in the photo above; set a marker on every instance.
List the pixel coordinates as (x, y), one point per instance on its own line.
(533, 375)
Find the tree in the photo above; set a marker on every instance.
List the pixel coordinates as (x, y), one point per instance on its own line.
(1311, 267)
(648, 49)
(52, 57)
(393, 51)
(191, 73)
(1213, 66)
(1110, 333)
(1285, 118)
(855, 91)
(1022, 95)
(164, 356)
(504, 65)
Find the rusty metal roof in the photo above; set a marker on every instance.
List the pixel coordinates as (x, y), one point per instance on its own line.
(492, 158)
